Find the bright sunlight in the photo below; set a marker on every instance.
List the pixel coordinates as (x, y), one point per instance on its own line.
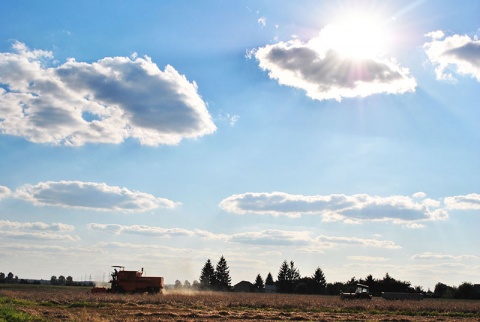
(358, 36)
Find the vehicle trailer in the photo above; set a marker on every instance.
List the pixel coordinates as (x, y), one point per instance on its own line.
(131, 282)
(402, 296)
(361, 292)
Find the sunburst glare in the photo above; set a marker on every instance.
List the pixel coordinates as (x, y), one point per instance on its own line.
(358, 36)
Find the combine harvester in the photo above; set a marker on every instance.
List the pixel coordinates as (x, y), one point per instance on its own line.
(402, 296)
(131, 282)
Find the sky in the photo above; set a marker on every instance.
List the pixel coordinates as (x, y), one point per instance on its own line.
(159, 134)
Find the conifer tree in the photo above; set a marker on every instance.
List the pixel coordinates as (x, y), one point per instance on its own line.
(269, 279)
(222, 275)
(287, 277)
(207, 276)
(320, 281)
(259, 282)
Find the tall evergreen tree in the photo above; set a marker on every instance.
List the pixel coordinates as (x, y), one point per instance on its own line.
(287, 277)
(259, 282)
(222, 274)
(320, 281)
(282, 277)
(207, 276)
(294, 273)
(269, 279)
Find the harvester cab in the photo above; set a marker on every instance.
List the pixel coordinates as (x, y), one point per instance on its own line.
(115, 272)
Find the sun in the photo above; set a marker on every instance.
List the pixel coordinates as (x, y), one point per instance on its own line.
(357, 36)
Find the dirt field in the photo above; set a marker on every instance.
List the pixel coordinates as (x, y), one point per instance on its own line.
(77, 304)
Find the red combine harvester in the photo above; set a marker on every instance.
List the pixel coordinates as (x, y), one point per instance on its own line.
(131, 282)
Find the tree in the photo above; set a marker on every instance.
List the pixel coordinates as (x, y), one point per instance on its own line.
(53, 280)
(178, 284)
(69, 280)
(196, 285)
(269, 279)
(293, 274)
(207, 276)
(10, 277)
(287, 277)
(320, 283)
(282, 277)
(259, 282)
(61, 280)
(222, 275)
(187, 284)
(466, 291)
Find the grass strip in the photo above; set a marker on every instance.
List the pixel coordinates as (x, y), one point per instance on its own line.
(9, 313)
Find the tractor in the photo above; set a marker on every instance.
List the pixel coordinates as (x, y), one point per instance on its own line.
(362, 292)
(131, 282)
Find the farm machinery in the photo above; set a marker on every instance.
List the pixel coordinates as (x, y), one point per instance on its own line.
(131, 282)
(361, 292)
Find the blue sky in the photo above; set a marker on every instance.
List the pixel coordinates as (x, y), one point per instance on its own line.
(342, 135)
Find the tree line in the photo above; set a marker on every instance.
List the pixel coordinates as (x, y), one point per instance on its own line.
(10, 278)
(68, 281)
(289, 280)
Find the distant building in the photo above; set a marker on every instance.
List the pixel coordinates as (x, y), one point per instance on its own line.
(476, 287)
(244, 286)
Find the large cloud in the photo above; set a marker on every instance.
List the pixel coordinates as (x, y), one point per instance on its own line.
(90, 195)
(354, 208)
(324, 73)
(106, 101)
(453, 54)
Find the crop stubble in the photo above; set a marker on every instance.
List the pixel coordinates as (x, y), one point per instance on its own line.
(77, 304)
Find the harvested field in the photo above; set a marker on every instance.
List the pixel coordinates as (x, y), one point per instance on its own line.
(45, 303)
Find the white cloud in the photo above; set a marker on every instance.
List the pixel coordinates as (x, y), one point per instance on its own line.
(4, 192)
(367, 259)
(35, 226)
(155, 231)
(446, 257)
(437, 34)
(106, 101)
(224, 116)
(273, 237)
(38, 231)
(333, 241)
(262, 21)
(455, 54)
(36, 236)
(268, 237)
(324, 73)
(90, 195)
(470, 201)
(335, 207)
(419, 195)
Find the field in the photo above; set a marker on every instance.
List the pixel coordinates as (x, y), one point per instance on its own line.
(50, 303)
